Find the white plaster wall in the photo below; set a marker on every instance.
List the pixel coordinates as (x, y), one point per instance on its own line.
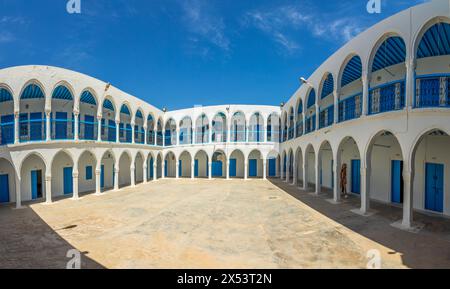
(60, 162)
(186, 164)
(124, 170)
(85, 185)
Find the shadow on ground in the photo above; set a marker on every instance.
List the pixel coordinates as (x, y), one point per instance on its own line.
(430, 248)
(35, 245)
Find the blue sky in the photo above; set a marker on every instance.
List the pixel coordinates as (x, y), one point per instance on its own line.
(181, 53)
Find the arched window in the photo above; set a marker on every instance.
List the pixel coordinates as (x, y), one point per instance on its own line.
(273, 128)
(326, 117)
(88, 116)
(170, 138)
(125, 129)
(202, 129)
(32, 117)
(350, 104)
(238, 127)
(256, 130)
(299, 123)
(139, 132)
(432, 71)
(7, 117)
(109, 129)
(150, 130)
(186, 131)
(219, 127)
(311, 112)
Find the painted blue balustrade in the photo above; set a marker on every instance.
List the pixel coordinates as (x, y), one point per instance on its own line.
(432, 91)
(387, 97)
(326, 117)
(350, 108)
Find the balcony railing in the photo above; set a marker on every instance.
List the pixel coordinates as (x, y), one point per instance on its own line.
(299, 127)
(125, 133)
(109, 131)
(326, 117)
(32, 127)
(256, 135)
(7, 130)
(350, 108)
(139, 135)
(433, 91)
(310, 124)
(185, 136)
(88, 128)
(387, 97)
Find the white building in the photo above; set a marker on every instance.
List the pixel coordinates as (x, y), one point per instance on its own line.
(380, 104)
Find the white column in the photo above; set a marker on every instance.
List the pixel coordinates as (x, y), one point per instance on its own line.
(245, 169)
(99, 128)
(48, 189)
(210, 170)
(133, 129)
(163, 167)
(145, 134)
(155, 173)
(365, 187)
(75, 185)
(97, 182)
(281, 168)
(288, 162)
(193, 169)
(16, 128)
(133, 175)
(264, 169)
(155, 137)
(178, 137)
(116, 179)
(177, 169)
(294, 171)
(48, 126)
(304, 123)
(145, 173)
(365, 100)
(228, 170)
(76, 116)
(305, 172)
(337, 181)
(410, 79)
(117, 131)
(318, 167)
(336, 106)
(408, 181)
(18, 193)
(317, 116)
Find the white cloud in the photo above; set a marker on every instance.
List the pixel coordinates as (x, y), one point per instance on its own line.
(204, 25)
(286, 23)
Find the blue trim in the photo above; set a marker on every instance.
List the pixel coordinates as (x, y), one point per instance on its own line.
(328, 86)
(62, 93)
(32, 91)
(311, 98)
(5, 95)
(435, 42)
(391, 52)
(352, 71)
(125, 110)
(88, 98)
(108, 105)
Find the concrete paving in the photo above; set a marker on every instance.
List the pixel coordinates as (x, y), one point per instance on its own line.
(214, 224)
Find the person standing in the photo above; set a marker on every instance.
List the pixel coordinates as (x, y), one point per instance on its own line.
(344, 181)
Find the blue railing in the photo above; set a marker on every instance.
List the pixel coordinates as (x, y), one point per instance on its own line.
(273, 135)
(432, 91)
(150, 137)
(238, 135)
(139, 134)
(256, 135)
(291, 132)
(170, 138)
(350, 108)
(310, 124)
(299, 127)
(88, 127)
(62, 128)
(387, 97)
(32, 127)
(125, 133)
(186, 136)
(109, 131)
(7, 130)
(326, 117)
(219, 136)
(159, 138)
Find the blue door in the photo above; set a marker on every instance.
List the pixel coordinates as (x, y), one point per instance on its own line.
(61, 125)
(332, 174)
(111, 131)
(196, 168)
(36, 124)
(233, 166)
(397, 182)
(356, 176)
(151, 168)
(165, 168)
(7, 131)
(34, 184)
(4, 189)
(284, 165)
(434, 184)
(253, 168)
(272, 168)
(180, 168)
(217, 169)
(102, 176)
(68, 181)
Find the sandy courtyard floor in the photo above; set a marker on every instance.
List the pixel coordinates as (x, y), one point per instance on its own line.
(202, 224)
